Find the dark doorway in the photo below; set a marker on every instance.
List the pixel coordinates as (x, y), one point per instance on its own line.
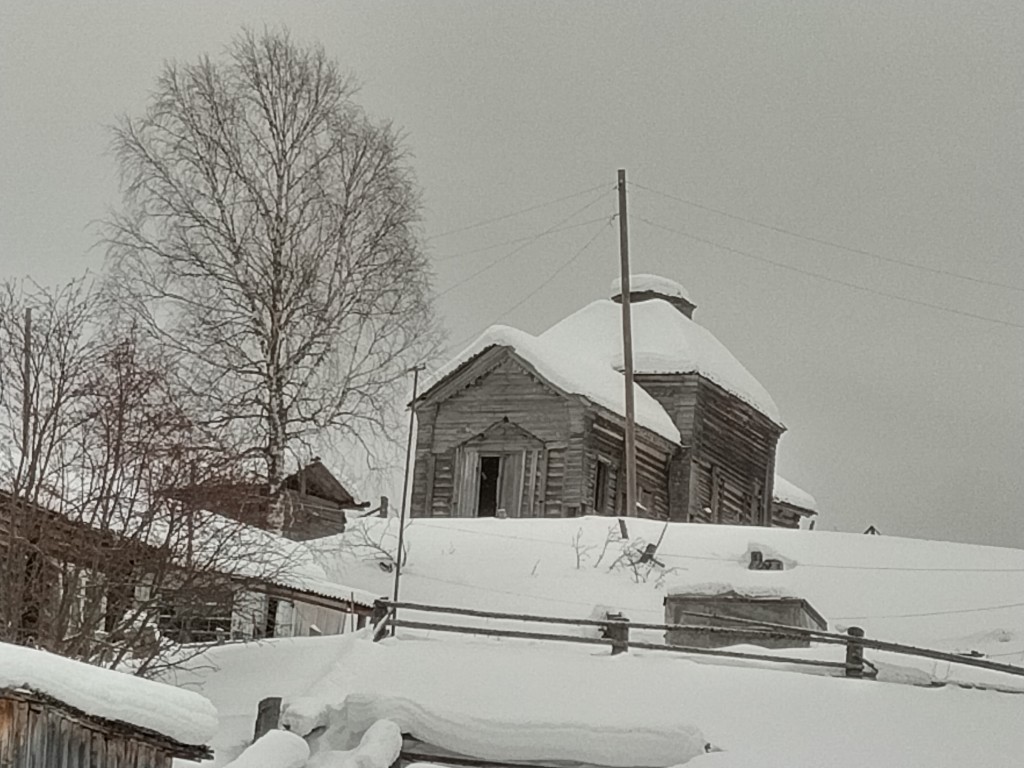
(487, 502)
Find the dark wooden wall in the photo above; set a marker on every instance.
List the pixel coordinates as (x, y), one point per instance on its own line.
(732, 467)
(36, 732)
(497, 387)
(785, 515)
(311, 517)
(728, 461)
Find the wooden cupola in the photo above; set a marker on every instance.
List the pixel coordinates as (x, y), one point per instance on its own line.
(648, 287)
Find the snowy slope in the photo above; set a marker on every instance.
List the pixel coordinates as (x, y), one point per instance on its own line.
(499, 699)
(507, 698)
(945, 595)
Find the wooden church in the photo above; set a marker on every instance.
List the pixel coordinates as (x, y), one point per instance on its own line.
(519, 425)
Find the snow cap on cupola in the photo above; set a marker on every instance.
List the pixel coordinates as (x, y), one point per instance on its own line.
(648, 287)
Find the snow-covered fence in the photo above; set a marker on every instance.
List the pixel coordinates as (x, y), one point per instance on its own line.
(615, 632)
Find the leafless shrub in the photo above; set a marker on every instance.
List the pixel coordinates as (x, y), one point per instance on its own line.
(107, 556)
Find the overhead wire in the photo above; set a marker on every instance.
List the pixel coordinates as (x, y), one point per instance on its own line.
(503, 217)
(829, 243)
(515, 241)
(504, 256)
(547, 281)
(951, 612)
(836, 281)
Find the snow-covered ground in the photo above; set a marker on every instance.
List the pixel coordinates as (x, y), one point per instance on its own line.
(515, 699)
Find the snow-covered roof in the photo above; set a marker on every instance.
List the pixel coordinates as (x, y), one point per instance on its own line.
(730, 589)
(787, 493)
(653, 284)
(572, 367)
(181, 715)
(664, 341)
(582, 355)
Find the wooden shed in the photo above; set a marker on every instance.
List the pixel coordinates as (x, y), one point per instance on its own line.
(702, 609)
(66, 714)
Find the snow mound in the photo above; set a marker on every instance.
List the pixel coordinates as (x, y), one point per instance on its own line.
(653, 284)
(274, 749)
(495, 702)
(379, 747)
(180, 715)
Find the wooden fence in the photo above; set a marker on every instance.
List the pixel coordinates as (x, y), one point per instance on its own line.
(615, 631)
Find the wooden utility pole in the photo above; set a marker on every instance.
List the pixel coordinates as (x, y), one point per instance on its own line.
(27, 455)
(627, 351)
(405, 487)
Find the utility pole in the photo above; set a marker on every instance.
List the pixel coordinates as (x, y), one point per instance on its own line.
(405, 487)
(627, 351)
(27, 457)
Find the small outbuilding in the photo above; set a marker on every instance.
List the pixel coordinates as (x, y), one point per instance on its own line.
(718, 605)
(61, 713)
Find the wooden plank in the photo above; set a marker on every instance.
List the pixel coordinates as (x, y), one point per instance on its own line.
(428, 502)
(542, 491)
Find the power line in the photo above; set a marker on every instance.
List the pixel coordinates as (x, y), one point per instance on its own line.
(931, 613)
(496, 219)
(831, 243)
(517, 240)
(565, 265)
(833, 280)
(502, 257)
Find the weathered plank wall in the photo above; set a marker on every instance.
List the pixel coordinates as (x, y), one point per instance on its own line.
(605, 442)
(497, 386)
(677, 394)
(726, 470)
(733, 459)
(40, 733)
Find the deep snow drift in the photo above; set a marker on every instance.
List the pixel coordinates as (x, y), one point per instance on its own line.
(515, 699)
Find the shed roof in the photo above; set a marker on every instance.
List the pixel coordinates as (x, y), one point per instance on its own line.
(182, 716)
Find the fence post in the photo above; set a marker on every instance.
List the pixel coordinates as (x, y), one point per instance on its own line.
(617, 630)
(379, 619)
(854, 653)
(268, 714)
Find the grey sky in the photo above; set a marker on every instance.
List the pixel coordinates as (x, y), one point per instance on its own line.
(890, 127)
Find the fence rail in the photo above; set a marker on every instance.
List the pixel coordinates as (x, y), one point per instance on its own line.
(616, 634)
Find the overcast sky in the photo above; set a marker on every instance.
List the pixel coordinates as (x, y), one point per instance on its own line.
(891, 128)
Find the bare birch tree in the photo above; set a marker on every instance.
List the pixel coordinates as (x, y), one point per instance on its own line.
(269, 237)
